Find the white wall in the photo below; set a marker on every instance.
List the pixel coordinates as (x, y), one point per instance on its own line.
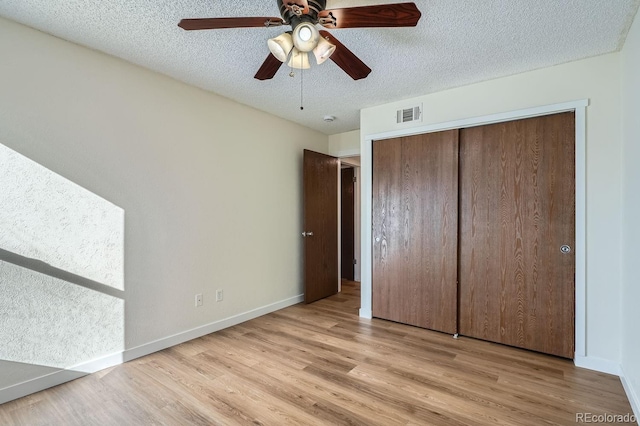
(345, 144)
(211, 189)
(597, 79)
(631, 212)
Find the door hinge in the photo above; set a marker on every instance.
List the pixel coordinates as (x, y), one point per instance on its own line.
(355, 179)
(355, 261)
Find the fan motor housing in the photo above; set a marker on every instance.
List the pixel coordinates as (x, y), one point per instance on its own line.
(290, 11)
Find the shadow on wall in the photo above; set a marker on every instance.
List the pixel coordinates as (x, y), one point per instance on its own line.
(61, 273)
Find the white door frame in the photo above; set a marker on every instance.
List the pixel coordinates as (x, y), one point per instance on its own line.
(579, 106)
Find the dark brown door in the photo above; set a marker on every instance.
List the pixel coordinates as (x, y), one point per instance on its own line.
(347, 232)
(320, 176)
(415, 222)
(517, 210)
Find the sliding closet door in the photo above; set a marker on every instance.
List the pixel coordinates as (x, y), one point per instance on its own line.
(415, 221)
(517, 210)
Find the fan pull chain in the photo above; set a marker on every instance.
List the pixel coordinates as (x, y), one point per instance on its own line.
(292, 74)
(301, 79)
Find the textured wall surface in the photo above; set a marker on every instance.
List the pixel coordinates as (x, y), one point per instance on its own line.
(49, 218)
(53, 323)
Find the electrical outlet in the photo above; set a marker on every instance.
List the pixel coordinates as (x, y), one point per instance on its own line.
(198, 300)
(219, 295)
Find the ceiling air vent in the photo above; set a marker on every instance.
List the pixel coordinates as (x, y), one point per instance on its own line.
(409, 114)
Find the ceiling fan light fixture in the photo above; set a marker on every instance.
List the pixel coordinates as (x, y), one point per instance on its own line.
(281, 46)
(307, 18)
(323, 50)
(305, 37)
(299, 60)
(305, 33)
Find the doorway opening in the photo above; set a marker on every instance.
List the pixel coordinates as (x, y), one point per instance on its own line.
(349, 229)
(322, 227)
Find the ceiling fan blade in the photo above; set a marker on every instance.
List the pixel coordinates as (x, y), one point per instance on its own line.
(269, 67)
(345, 59)
(384, 15)
(220, 23)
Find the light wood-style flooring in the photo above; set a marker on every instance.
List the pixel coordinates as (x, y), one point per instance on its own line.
(320, 364)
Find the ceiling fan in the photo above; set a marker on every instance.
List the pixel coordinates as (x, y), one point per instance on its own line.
(303, 16)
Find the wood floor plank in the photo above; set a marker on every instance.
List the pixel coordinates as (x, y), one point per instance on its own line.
(321, 364)
(323, 391)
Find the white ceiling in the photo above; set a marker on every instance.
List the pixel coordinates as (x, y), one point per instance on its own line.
(456, 42)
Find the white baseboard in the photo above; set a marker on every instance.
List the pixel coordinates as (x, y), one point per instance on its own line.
(366, 313)
(176, 339)
(597, 364)
(59, 377)
(606, 366)
(634, 400)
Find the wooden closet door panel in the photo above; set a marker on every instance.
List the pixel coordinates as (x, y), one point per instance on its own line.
(386, 220)
(415, 220)
(517, 208)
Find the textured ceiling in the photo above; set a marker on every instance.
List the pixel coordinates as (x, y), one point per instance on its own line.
(456, 42)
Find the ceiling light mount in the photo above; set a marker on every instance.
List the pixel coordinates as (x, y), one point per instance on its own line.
(291, 9)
